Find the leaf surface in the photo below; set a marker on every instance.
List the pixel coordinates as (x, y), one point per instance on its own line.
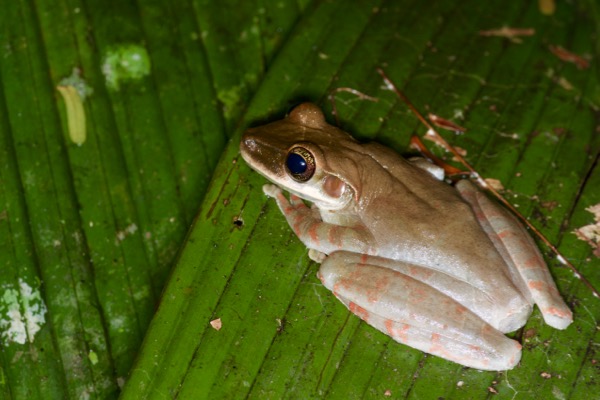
(95, 229)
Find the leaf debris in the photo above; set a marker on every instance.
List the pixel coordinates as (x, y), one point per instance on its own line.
(494, 183)
(591, 233)
(445, 124)
(546, 375)
(512, 34)
(217, 324)
(567, 56)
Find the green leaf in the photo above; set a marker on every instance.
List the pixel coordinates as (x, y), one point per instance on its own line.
(94, 230)
(283, 335)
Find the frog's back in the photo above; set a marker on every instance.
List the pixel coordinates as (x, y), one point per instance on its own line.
(424, 221)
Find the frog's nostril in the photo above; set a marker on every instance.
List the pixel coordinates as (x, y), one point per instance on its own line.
(250, 143)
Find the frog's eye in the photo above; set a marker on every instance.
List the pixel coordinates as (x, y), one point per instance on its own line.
(300, 163)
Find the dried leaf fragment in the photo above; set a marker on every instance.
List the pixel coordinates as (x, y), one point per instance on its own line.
(549, 205)
(494, 184)
(216, 324)
(433, 137)
(564, 83)
(591, 233)
(445, 124)
(512, 34)
(461, 152)
(567, 56)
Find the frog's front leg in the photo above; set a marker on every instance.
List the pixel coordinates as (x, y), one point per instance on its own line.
(319, 236)
(520, 253)
(416, 314)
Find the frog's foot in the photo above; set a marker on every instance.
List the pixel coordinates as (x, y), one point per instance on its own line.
(416, 314)
(294, 207)
(315, 233)
(520, 253)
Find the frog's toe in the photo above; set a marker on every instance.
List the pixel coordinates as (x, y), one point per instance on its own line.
(271, 190)
(557, 317)
(316, 255)
(514, 319)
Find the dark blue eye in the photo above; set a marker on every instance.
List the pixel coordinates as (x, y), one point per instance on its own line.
(296, 163)
(300, 164)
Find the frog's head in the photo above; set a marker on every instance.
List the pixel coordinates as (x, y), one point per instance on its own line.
(306, 156)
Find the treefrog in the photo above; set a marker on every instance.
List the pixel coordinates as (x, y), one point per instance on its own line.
(437, 267)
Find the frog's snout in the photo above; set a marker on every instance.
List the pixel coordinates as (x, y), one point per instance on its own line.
(249, 143)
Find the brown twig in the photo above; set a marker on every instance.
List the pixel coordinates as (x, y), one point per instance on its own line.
(481, 182)
(355, 92)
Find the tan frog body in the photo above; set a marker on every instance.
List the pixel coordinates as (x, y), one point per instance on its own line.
(442, 269)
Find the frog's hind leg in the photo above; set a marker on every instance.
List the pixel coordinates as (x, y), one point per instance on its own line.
(416, 314)
(520, 253)
(503, 354)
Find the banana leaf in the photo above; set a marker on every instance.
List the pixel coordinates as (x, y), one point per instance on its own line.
(108, 292)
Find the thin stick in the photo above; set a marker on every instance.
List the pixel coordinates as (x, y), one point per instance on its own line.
(475, 175)
(355, 92)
